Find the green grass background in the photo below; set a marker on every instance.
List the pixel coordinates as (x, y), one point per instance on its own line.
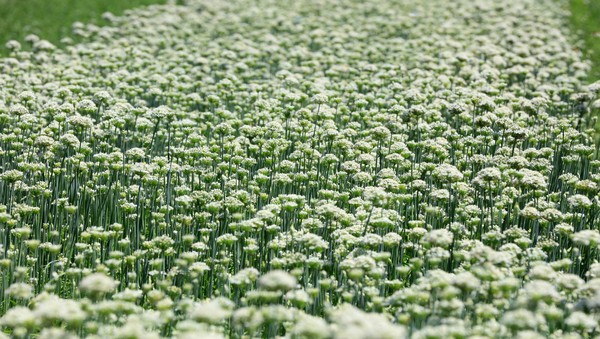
(585, 19)
(52, 19)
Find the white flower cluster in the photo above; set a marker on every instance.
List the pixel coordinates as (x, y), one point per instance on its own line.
(302, 169)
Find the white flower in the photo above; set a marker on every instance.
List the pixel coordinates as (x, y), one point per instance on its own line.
(299, 298)
(569, 282)
(579, 201)
(44, 141)
(97, 284)
(132, 329)
(542, 272)
(277, 280)
(245, 276)
(86, 106)
(13, 45)
(586, 238)
(80, 121)
(54, 309)
(581, 321)
(520, 319)
(441, 238)
(351, 322)
(533, 179)
(19, 316)
(487, 176)
(52, 333)
(309, 327)
(212, 311)
(20, 291)
(541, 290)
(466, 281)
(447, 172)
(530, 212)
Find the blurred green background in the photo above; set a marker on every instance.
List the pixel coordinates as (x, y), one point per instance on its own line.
(52, 19)
(586, 23)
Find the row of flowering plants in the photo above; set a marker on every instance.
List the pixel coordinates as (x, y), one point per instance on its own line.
(302, 169)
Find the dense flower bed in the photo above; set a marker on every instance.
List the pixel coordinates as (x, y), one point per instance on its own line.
(307, 169)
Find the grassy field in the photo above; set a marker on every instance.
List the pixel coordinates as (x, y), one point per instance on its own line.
(52, 20)
(586, 21)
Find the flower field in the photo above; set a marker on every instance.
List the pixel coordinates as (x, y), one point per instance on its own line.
(302, 169)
